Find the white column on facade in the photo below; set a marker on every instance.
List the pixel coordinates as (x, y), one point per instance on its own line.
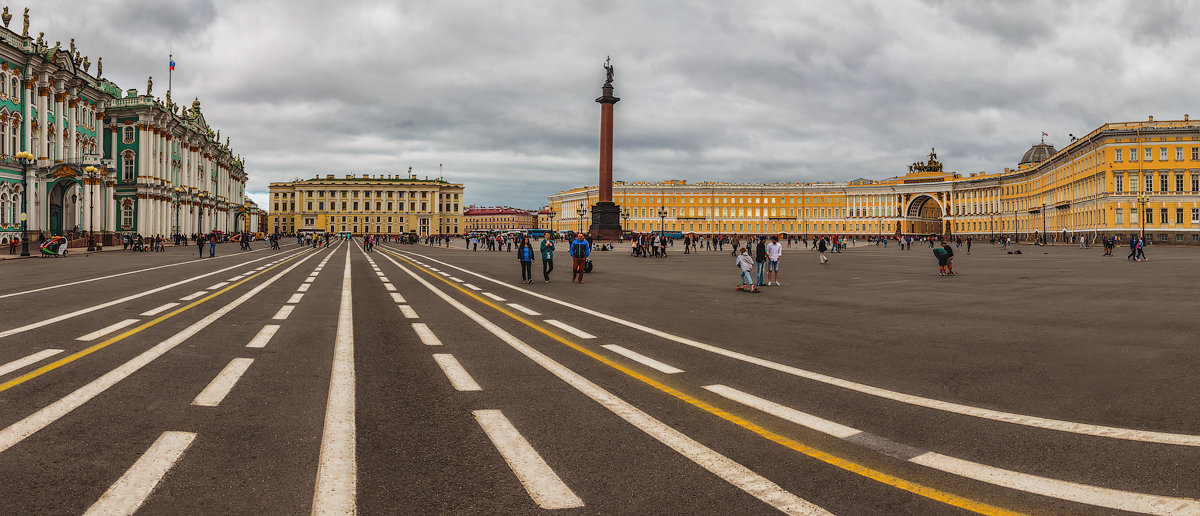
(26, 112)
(71, 124)
(43, 125)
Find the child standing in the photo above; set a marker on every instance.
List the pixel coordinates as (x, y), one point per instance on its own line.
(745, 264)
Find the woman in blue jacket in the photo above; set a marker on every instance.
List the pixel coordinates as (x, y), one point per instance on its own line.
(525, 256)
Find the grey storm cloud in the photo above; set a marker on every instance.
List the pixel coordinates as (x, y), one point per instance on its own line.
(501, 93)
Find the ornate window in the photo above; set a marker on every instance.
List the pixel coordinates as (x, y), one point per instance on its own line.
(128, 134)
(3, 137)
(127, 166)
(127, 215)
(4, 209)
(15, 89)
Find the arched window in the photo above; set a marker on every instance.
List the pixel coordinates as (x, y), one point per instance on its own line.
(128, 138)
(16, 124)
(15, 88)
(4, 84)
(4, 137)
(127, 215)
(127, 167)
(4, 209)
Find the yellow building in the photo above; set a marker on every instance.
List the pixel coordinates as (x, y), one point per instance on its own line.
(1115, 180)
(498, 219)
(366, 204)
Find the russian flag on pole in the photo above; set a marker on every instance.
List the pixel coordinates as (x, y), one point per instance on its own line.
(172, 65)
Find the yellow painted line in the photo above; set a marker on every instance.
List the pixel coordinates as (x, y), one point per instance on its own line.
(848, 465)
(97, 347)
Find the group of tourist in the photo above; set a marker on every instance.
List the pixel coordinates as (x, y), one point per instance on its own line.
(139, 244)
(578, 249)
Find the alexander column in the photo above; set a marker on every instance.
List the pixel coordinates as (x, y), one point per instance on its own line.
(606, 216)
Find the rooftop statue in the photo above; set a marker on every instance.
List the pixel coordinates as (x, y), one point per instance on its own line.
(7, 17)
(25, 31)
(149, 85)
(99, 67)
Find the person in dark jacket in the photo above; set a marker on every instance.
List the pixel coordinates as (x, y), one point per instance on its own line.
(525, 256)
(760, 261)
(579, 251)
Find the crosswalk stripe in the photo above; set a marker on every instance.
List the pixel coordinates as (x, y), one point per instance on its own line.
(540, 481)
(131, 490)
(426, 335)
(220, 386)
(522, 309)
(570, 329)
(642, 359)
(31, 359)
(263, 336)
(106, 330)
(459, 378)
(159, 310)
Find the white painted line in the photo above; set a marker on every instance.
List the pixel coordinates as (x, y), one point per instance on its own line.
(1061, 489)
(397, 297)
(472, 287)
(783, 412)
(433, 269)
(1111, 432)
(192, 296)
(315, 273)
(384, 279)
(106, 330)
(33, 359)
(303, 287)
(426, 335)
(337, 478)
(408, 311)
(378, 273)
(233, 279)
(309, 279)
(295, 298)
(389, 287)
(570, 329)
(444, 274)
(264, 335)
(542, 484)
(126, 273)
(220, 386)
(218, 285)
(642, 359)
(523, 310)
(493, 296)
(130, 491)
(159, 310)
(736, 474)
(458, 375)
(284, 312)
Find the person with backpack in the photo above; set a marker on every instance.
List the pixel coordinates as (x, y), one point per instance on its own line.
(547, 249)
(579, 252)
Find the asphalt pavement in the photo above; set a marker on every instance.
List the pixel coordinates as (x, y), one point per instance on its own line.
(417, 379)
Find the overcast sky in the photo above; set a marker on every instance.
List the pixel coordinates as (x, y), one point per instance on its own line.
(502, 93)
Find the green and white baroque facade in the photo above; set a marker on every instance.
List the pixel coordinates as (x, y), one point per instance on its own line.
(160, 168)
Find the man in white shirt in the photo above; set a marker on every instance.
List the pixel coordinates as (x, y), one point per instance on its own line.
(774, 251)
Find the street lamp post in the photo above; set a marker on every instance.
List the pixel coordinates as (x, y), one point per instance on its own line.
(91, 180)
(178, 226)
(662, 225)
(624, 220)
(200, 214)
(24, 158)
(1044, 241)
(550, 222)
(581, 212)
(1016, 234)
(1142, 199)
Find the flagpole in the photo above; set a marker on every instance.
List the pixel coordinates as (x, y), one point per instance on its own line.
(170, 70)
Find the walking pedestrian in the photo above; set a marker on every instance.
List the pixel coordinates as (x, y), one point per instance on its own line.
(212, 245)
(821, 247)
(774, 251)
(760, 261)
(200, 246)
(579, 252)
(547, 249)
(525, 256)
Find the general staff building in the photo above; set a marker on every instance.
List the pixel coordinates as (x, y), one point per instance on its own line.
(1121, 178)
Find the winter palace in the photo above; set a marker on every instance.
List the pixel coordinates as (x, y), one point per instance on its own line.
(1122, 178)
(77, 154)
